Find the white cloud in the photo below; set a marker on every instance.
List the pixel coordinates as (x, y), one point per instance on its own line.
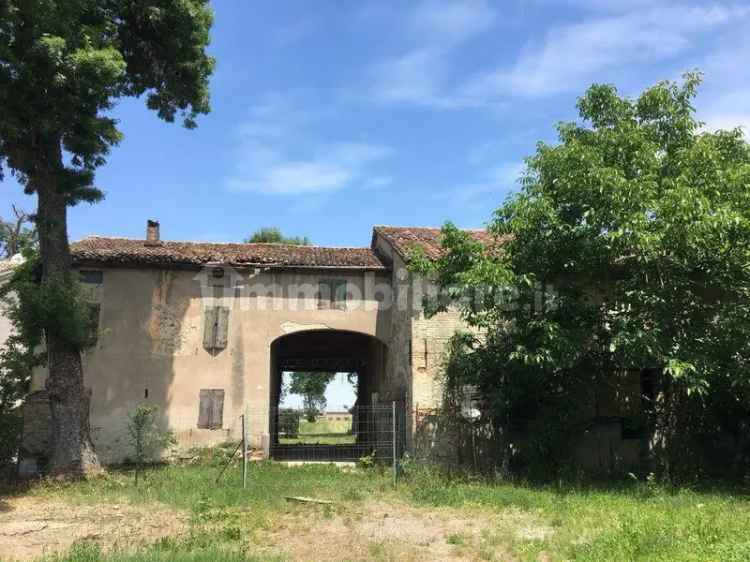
(572, 55)
(418, 76)
(414, 77)
(302, 177)
(728, 121)
(277, 155)
(612, 37)
(723, 101)
(493, 185)
(453, 21)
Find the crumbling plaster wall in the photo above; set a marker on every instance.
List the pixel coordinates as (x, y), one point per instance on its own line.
(150, 346)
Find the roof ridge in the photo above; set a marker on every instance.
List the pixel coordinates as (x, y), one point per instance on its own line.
(282, 244)
(377, 226)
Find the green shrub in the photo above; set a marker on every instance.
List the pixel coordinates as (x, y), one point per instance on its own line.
(146, 439)
(289, 422)
(10, 438)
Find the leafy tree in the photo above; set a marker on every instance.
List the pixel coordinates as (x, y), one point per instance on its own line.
(62, 67)
(312, 386)
(627, 247)
(271, 234)
(14, 236)
(19, 301)
(19, 354)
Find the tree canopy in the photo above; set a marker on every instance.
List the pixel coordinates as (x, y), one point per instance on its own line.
(312, 387)
(63, 66)
(273, 235)
(627, 247)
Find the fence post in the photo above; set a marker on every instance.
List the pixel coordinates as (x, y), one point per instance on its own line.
(244, 453)
(393, 439)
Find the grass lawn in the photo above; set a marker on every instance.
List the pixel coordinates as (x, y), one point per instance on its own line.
(184, 515)
(323, 432)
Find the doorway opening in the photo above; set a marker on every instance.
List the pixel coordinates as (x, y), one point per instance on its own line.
(324, 397)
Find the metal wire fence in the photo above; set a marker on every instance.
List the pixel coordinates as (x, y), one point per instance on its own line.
(375, 432)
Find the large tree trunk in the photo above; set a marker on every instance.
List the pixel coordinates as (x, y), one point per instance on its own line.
(72, 449)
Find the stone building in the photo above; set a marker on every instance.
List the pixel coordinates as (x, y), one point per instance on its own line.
(205, 330)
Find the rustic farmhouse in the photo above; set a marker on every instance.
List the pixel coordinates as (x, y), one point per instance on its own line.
(204, 331)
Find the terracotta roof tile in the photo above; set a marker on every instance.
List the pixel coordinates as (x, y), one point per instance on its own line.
(406, 238)
(124, 252)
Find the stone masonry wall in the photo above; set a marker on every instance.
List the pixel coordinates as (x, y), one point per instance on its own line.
(36, 424)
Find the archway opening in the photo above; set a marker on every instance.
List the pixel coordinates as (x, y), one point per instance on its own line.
(324, 396)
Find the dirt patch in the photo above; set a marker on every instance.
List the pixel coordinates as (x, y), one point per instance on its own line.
(394, 531)
(32, 527)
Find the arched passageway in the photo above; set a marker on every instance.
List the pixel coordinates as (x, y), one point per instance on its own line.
(363, 358)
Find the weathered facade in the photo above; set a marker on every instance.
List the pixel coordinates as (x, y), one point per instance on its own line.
(204, 330)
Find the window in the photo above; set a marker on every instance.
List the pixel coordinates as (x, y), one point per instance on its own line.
(332, 294)
(216, 328)
(91, 277)
(211, 408)
(217, 277)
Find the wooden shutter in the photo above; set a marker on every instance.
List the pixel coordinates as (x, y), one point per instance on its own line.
(211, 408)
(222, 327)
(204, 409)
(217, 409)
(209, 327)
(324, 294)
(338, 294)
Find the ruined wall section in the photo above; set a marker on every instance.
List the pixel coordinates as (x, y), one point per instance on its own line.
(430, 339)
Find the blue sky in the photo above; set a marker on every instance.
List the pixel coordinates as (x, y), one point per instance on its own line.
(329, 116)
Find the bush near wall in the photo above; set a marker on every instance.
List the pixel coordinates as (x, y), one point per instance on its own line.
(10, 440)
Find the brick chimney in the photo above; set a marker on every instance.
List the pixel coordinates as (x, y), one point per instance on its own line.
(152, 233)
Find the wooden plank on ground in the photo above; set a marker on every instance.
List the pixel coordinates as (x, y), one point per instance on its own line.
(302, 499)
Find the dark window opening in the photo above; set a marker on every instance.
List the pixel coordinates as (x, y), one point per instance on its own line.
(92, 277)
(633, 428)
(211, 408)
(332, 294)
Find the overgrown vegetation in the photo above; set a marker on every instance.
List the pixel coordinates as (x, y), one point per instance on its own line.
(146, 438)
(636, 520)
(19, 354)
(624, 255)
(63, 65)
(33, 310)
(273, 235)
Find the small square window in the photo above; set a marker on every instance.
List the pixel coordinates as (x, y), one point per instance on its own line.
(332, 294)
(91, 277)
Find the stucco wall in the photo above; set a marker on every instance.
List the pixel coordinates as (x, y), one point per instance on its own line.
(150, 346)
